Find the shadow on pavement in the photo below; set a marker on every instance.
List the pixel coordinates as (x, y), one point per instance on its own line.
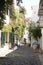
(22, 56)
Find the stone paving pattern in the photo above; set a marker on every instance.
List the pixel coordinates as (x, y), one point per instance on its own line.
(24, 55)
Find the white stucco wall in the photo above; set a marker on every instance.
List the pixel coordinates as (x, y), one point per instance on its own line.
(42, 38)
(40, 41)
(0, 38)
(41, 24)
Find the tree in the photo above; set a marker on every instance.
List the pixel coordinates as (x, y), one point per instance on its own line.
(13, 13)
(4, 6)
(18, 2)
(35, 32)
(2, 12)
(16, 21)
(22, 11)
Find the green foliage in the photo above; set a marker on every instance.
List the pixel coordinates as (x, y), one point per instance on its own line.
(19, 31)
(35, 32)
(13, 14)
(1, 24)
(18, 2)
(15, 22)
(22, 10)
(4, 6)
(2, 13)
(6, 28)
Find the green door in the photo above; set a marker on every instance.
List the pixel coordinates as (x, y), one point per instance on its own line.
(11, 37)
(2, 39)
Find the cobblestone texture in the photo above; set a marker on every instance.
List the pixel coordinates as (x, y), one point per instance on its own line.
(22, 56)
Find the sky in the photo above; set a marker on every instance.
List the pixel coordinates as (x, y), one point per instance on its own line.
(28, 4)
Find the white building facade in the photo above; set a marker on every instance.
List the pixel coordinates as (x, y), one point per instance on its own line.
(35, 13)
(41, 21)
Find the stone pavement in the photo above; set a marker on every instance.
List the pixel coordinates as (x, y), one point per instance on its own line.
(24, 55)
(41, 58)
(5, 50)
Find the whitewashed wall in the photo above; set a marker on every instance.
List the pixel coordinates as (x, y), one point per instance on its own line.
(0, 38)
(42, 38)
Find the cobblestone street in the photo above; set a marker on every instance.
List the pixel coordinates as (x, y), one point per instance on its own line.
(24, 55)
